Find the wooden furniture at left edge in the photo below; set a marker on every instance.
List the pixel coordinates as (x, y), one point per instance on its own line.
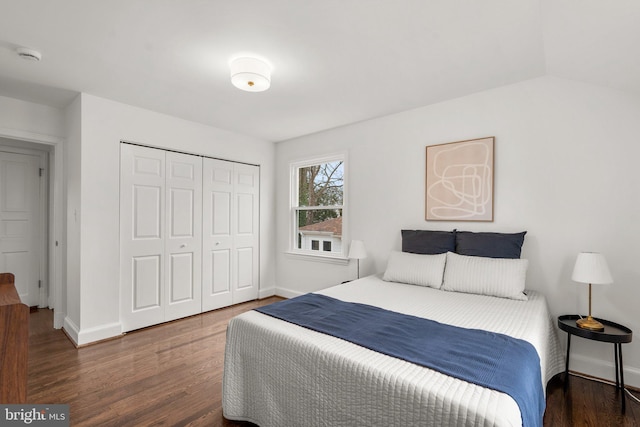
(14, 341)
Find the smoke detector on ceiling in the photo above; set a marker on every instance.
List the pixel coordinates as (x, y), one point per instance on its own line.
(30, 54)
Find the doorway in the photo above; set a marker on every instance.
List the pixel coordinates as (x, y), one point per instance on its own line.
(24, 207)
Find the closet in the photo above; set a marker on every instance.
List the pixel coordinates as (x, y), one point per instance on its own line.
(188, 234)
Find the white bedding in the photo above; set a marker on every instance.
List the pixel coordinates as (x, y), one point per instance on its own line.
(279, 374)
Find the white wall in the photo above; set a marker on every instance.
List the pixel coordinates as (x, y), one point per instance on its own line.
(71, 288)
(19, 117)
(565, 170)
(104, 124)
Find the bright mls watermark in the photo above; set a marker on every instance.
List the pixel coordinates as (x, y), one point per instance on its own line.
(34, 415)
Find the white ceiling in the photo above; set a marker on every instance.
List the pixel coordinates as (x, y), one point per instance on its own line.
(334, 62)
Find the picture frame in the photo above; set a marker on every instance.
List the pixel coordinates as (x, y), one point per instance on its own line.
(459, 180)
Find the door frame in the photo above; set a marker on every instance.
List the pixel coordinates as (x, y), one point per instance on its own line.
(56, 240)
(41, 155)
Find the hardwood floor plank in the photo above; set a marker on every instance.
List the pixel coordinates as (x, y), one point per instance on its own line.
(136, 379)
(588, 403)
(171, 375)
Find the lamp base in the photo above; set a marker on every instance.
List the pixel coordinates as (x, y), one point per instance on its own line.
(590, 323)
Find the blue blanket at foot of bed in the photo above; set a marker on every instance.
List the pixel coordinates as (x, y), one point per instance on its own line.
(488, 359)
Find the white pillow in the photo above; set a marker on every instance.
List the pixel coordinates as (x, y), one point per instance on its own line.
(498, 277)
(415, 269)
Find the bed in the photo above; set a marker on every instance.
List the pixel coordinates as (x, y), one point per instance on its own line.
(280, 374)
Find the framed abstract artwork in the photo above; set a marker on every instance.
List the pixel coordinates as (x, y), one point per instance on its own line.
(459, 181)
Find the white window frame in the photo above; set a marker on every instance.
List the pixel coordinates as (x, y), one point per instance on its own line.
(334, 257)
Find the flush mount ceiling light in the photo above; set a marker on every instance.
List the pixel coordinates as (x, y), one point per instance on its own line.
(250, 74)
(29, 54)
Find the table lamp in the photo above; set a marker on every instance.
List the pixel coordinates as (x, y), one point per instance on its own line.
(591, 268)
(358, 252)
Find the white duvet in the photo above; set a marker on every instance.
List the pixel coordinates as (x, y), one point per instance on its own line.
(279, 374)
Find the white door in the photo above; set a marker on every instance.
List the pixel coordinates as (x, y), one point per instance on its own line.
(246, 225)
(183, 243)
(217, 190)
(142, 230)
(230, 233)
(20, 223)
(160, 242)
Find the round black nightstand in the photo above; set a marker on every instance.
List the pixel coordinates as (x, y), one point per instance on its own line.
(613, 333)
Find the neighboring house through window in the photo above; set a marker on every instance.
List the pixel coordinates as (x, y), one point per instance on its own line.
(327, 232)
(317, 206)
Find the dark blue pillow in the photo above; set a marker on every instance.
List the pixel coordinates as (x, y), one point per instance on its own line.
(427, 242)
(491, 245)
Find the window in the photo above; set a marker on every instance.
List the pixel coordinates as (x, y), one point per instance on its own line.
(317, 199)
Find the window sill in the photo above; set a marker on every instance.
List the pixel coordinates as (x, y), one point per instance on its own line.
(331, 259)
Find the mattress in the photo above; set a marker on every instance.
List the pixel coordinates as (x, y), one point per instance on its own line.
(280, 374)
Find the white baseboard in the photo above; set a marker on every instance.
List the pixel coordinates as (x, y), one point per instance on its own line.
(287, 293)
(266, 293)
(91, 335)
(604, 369)
(71, 329)
(99, 333)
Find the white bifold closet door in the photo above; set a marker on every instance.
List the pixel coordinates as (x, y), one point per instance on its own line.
(188, 234)
(161, 235)
(230, 233)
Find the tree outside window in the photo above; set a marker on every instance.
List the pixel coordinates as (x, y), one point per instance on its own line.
(319, 206)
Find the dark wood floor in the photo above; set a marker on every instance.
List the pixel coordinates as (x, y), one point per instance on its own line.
(171, 375)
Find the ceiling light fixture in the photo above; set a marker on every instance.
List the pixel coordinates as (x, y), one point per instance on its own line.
(250, 74)
(29, 54)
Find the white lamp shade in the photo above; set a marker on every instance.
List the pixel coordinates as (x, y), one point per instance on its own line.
(250, 74)
(357, 250)
(592, 268)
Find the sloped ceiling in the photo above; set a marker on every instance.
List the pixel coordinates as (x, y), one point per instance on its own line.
(334, 62)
